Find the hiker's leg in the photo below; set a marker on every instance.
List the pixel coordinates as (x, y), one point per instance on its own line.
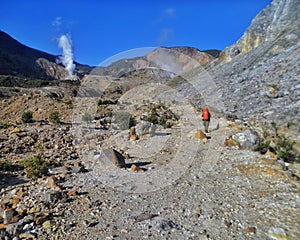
(206, 124)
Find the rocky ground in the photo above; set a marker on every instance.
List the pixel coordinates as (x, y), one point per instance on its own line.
(177, 184)
(84, 176)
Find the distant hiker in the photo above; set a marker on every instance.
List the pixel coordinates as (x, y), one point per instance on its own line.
(205, 118)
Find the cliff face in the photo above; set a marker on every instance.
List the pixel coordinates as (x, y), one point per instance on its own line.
(258, 76)
(277, 22)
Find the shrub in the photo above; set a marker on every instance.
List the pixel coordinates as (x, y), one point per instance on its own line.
(54, 117)
(6, 165)
(162, 121)
(153, 118)
(27, 117)
(124, 120)
(35, 166)
(281, 145)
(5, 125)
(285, 150)
(263, 146)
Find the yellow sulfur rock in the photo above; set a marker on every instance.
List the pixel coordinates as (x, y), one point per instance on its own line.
(133, 137)
(200, 135)
(271, 155)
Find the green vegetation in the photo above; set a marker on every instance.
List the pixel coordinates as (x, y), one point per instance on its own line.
(264, 146)
(5, 125)
(6, 165)
(153, 118)
(27, 117)
(35, 166)
(285, 150)
(281, 145)
(124, 120)
(54, 117)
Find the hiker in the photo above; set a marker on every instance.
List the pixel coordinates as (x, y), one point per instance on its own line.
(205, 118)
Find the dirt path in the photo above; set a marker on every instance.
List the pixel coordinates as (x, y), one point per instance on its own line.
(210, 193)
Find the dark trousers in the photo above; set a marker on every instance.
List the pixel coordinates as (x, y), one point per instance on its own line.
(206, 125)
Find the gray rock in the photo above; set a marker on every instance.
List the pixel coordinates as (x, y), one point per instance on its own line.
(8, 215)
(143, 128)
(247, 139)
(14, 228)
(110, 157)
(277, 233)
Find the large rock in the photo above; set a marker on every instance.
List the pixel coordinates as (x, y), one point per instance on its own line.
(111, 157)
(247, 139)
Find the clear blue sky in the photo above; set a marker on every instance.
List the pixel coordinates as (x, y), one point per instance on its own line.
(101, 29)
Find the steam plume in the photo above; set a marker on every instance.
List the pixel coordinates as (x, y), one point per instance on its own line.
(66, 59)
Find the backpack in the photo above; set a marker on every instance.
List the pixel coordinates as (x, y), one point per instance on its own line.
(205, 114)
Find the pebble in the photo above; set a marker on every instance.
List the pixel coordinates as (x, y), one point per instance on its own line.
(277, 233)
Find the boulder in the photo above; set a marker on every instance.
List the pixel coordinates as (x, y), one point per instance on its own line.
(143, 128)
(247, 139)
(230, 142)
(200, 135)
(110, 157)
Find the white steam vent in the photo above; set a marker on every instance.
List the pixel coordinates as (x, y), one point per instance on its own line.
(67, 57)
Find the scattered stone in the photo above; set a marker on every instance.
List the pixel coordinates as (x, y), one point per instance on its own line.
(36, 208)
(277, 233)
(202, 237)
(271, 155)
(195, 216)
(14, 202)
(14, 229)
(3, 226)
(40, 218)
(133, 138)
(132, 134)
(77, 169)
(8, 216)
(51, 182)
(47, 226)
(165, 225)
(73, 192)
(27, 236)
(135, 168)
(230, 142)
(16, 130)
(143, 217)
(295, 169)
(250, 230)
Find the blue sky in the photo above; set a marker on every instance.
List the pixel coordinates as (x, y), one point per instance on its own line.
(101, 29)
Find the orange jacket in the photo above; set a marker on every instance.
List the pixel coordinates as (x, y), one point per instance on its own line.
(205, 114)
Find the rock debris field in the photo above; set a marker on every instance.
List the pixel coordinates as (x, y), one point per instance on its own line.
(175, 185)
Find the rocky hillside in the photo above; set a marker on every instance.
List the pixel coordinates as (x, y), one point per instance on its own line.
(124, 66)
(258, 76)
(19, 60)
(121, 153)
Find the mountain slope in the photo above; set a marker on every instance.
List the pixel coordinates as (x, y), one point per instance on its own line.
(259, 75)
(124, 66)
(19, 60)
